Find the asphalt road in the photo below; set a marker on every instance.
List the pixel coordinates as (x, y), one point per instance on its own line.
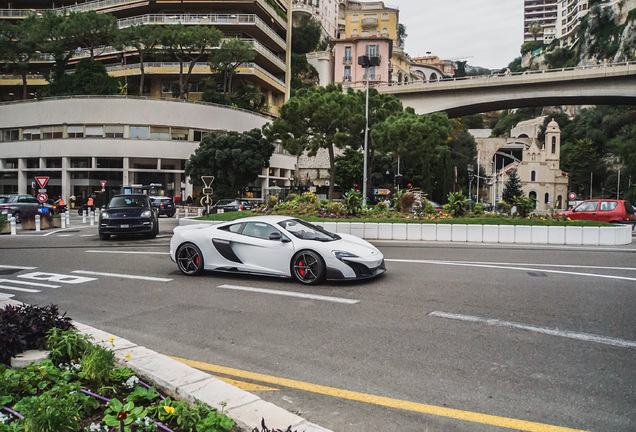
(452, 337)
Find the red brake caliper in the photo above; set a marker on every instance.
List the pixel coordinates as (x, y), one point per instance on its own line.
(196, 260)
(301, 271)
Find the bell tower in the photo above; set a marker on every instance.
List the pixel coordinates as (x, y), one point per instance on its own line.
(552, 144)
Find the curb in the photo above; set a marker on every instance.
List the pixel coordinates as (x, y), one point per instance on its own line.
(180, 381)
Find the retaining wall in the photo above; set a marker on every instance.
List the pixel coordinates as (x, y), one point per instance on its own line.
(518, 234)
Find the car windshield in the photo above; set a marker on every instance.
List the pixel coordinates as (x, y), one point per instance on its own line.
(127, 201)
(4, 199)
(307, 231)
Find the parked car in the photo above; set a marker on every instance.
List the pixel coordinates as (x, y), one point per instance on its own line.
(14, 205)
(603, 210)
(280, 246)
(228, 205)
(164, 205)
(129, 214)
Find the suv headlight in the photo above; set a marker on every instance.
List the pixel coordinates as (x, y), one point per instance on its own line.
(147, 213)
(341, 254)
(104, 215)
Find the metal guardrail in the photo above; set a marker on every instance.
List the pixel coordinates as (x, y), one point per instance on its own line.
(507, 75)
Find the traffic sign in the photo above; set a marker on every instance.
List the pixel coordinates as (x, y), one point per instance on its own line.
(42, 181)
(572, 196)
(42, 197)
(103, 183)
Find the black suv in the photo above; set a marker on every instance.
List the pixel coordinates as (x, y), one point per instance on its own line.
(164, 205)
(129, 214)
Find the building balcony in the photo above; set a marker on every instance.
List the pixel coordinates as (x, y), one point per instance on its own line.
(370, 23)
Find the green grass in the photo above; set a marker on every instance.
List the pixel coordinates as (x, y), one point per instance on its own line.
(486, 220)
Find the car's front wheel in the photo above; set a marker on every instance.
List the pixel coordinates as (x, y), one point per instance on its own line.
(308, 268)
(103, 236)
(189, 259)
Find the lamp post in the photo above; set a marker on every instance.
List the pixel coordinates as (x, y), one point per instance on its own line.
(366, 62)
(469, 167)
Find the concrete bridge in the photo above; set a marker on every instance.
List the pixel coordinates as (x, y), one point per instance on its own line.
(610, 84)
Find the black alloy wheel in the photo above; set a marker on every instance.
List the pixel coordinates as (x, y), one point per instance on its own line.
(103, 236)
(189, 259)
(308, 268)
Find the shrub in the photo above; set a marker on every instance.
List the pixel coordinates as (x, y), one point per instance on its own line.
(352, 202)
(458, 203)
(291, 197)
(503, 207)
(66, 346)
(406, 202)
(272, 201)
(525, 205)
(309, 197)
(478, 210)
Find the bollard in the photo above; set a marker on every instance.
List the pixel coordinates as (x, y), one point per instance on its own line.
(37, 223)
(96, 216)
(91, 218)
(198, 212)
(63, 220)
(186, 212)
(176, 214)
(13, 226)
(68, 218)
(83, 216)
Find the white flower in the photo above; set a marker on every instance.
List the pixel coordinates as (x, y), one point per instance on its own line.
(3, 418)
(95, 427)
(132, 382)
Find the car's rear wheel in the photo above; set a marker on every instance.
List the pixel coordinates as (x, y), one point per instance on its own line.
(189, 259)
(308, 268)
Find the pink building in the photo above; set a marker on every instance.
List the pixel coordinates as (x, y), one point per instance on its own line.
(346, 68)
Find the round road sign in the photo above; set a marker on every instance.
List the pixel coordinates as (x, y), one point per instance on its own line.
(42, 197)
(572, 196)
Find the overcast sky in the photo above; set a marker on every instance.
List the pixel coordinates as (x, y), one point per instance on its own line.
(491, 31)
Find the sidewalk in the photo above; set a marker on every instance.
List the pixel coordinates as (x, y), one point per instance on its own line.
(179, 381)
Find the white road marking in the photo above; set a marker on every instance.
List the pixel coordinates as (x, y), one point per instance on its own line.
(128, 252)
(65, 235)
(55, 277)
(17, 267)
(125, 276)
(6, 296)
(510, 267)
(544, 330)
(37, 284)
(553, 265)
(12, 288)
(290, 294)
(87, 235)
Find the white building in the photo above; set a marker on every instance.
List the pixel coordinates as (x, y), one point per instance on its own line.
(543, 12)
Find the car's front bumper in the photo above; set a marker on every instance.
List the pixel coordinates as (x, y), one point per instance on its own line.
(125, 226)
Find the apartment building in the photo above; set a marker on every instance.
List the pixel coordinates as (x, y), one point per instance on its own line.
(570, 13)
(261, 23)
(324, 12)
(543, 12)
(369, 28)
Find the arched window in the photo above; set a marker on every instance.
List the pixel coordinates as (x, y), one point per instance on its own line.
(354, 33)
(433, 77)
(559, 203)
(553, 145)
(533, 176)
(533, 194)
(534, 156)
(546, 198)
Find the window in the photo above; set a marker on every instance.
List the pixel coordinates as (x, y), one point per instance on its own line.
(533, 194)
(29, 134)
(546, 198)
(114, 131)
(10, 134)
(110, 163)
(553, 145)
(372, 50)
(259, 230)
(347, 74)
(139, 132)
(608, 205)
(75, 131)
(533, 176)
(157, 132)
(354, 33)
(385, 16)
(235, 228)
(586, 206)
(347, 56)
(54, 162)
(198, 135)
(179, 134)
(355, 18)
(385, 32)
(33, 163)
(52, 132)
(80, 162)
(94, 132)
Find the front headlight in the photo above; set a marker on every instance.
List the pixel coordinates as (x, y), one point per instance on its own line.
(341, 254)
(104, 215)
(147, 213)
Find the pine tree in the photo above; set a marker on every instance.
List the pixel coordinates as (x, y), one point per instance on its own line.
(512, 189)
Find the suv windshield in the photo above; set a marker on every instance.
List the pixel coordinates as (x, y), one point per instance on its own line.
(127, 201)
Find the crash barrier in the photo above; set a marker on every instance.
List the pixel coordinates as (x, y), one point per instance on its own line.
(511, 234)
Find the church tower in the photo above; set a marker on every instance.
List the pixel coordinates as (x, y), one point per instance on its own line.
(552, 147)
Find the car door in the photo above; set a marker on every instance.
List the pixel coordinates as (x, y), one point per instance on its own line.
(608, 212)
(587, 210)
(260, 254)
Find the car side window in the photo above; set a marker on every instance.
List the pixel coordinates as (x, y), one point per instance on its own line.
(259, 230)
(235, 228)
(587, 206)
(608, 205)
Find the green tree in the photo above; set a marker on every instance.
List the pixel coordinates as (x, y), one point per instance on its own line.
(584, 161)
(18, 46)
(55, 39)
(90, 78)
(318, 118)
(91, 29)
(512, 189)
(349, 168)
(189, 44)
(306, 35)
(535, 29)
(235, 160)
(230, 56)
(304, 75)
(146, 39)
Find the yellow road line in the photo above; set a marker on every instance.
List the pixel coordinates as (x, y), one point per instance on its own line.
(474, 417)
(245, 385)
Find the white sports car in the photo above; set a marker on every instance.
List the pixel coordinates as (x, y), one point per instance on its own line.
(276, 246)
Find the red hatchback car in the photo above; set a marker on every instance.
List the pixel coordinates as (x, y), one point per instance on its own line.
(603, 210)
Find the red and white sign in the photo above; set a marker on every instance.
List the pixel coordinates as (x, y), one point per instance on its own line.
(572, 196)
(103, 183)
(42, 181)
(42, 197)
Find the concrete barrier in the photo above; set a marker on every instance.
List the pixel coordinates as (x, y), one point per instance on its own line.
(458, 233)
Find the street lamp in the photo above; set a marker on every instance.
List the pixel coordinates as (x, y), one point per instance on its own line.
(366, 62)
(470, 182)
